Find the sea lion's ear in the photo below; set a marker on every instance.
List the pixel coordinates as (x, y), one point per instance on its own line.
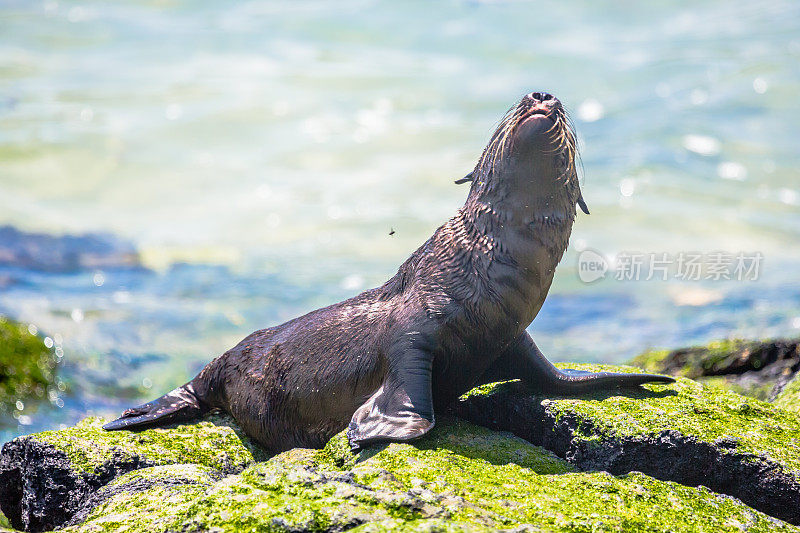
(582, 204)
(465, 179)
(401, 410)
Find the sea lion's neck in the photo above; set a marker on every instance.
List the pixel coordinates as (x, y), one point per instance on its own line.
(523, 204)
(521, 233)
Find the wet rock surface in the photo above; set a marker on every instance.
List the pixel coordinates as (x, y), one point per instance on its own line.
(65, 253)
(668, 450)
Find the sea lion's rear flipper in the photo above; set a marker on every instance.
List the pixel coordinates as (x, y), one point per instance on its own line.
(523, 360)
(401, 410)
(179, 405)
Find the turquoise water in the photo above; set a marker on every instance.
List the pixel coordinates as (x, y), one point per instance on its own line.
(259, 154)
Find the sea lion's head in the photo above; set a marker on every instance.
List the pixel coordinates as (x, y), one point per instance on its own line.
(533, 151)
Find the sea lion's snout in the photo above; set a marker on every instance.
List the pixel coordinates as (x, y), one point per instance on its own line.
(539, 98)
(534, 138)
(539, 104)
(538, 114)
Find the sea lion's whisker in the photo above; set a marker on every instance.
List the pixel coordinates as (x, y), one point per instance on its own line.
(499, 141)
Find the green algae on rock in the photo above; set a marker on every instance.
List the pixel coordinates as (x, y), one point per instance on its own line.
(216, 442)
(691, 409)
(85, 457)
(789, 397)
(455, 437)
(662, 441)
(683, 432)
(149, 494)
(460, 478)
(27, 366)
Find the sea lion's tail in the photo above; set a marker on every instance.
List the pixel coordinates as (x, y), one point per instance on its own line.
(577, 381)
(179, 405)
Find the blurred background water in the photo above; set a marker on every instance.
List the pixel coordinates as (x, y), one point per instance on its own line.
(258, 155)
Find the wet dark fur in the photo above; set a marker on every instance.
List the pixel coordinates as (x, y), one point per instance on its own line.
(453, 317)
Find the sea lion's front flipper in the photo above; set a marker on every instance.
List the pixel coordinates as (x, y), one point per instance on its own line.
(401, 409)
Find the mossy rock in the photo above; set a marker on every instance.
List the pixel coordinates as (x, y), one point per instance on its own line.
(459, 478)
(751, 368)
(608, 462)
(216, 442)
(27, 366)
(46, 477)
(789, 397)
(684, 432)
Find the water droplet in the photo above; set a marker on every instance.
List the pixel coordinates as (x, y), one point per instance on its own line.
(76, 315)
(702, 144)
(352, 282)
(788, 196)
(87, 114)
(627, 187)
(48, 342)
(32, 329)
(760, 85)
(731, 170)
(19, 405)
(147, 383)
(590, 110)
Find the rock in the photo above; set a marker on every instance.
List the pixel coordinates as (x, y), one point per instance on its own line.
(789, 396)
(47, 477)
(752, 368)
(67, 253)
(27, 367)
(461, 477)
(684, 432)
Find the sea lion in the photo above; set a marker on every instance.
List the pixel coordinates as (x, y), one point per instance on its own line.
(453, 317)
